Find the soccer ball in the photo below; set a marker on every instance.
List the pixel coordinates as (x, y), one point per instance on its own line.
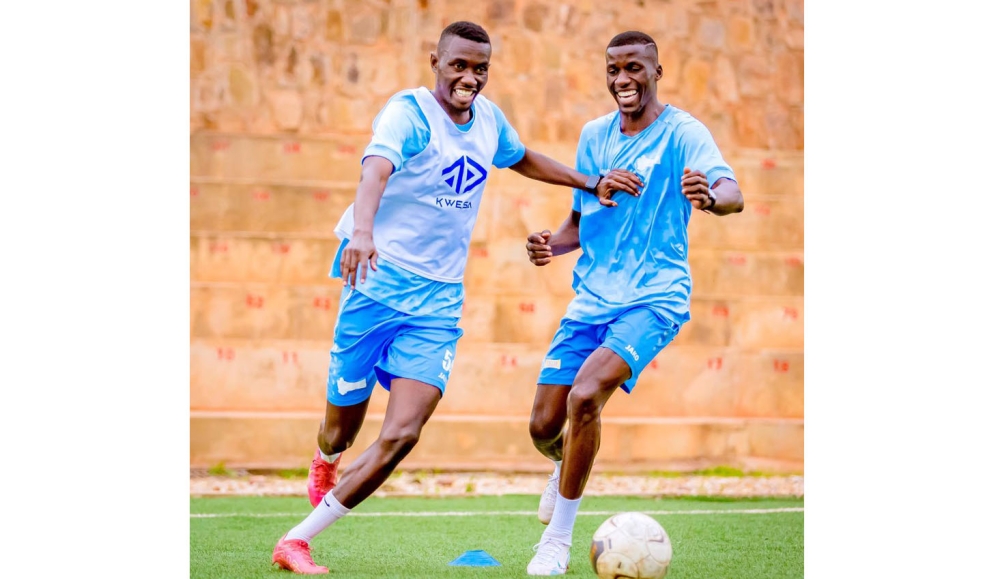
(630, 545)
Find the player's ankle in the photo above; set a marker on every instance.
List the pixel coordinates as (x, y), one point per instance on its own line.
(557, 537)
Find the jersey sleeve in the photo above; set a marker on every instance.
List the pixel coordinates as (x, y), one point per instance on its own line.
(400, 131)
(700, 153)
(510, 150)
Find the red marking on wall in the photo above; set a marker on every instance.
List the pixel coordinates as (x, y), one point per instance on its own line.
(520, 202)
(224, 353)
(506, 361)
(526, 307)
(321, 195)
(347, 149)
(781, 366)
(791, 313)
(281, 247)
(322, 303)
(794, 261)
(261, 195)
(220, 145)
(194, 191)
(720, 310)
(480, 252)
(218, 247)
(654, 364)
(762, 210)
(738, 259)
(292, 147)
(768, 163)
(290, 358)
(715, 363)
(255, 302)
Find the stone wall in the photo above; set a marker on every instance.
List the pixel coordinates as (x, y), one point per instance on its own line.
(326, 67)
(283, 94)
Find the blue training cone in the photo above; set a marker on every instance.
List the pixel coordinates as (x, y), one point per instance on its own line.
(478, 558)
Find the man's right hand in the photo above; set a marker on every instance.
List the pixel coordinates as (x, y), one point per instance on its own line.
(539, 252)
(357, 256)
(617, 180)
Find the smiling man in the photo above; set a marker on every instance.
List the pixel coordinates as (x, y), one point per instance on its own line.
(632, 280)
(404, 247)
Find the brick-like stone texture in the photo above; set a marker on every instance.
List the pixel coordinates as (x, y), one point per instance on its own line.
(261, 58)
(283, 94)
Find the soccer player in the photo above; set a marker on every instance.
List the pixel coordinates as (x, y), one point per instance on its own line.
(632, 280)
(405, 244)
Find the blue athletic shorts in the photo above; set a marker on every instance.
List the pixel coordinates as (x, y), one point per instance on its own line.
(375, 342)
(637, 336)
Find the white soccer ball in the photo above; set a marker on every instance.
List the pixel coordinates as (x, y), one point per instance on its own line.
(630, 545)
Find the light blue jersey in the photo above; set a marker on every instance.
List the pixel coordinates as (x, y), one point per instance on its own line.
(637, 253)
(402, 132)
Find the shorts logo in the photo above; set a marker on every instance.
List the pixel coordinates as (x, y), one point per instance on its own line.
(632, 351)
(343, 386)
(465, 171)
(448, 361)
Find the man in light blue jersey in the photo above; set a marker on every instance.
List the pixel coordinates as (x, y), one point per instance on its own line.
(632, 280)
(405, 244)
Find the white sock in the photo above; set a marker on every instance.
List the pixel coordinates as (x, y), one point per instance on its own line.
(561, 526)
(558, 464)
(324, 515)
(328, 457)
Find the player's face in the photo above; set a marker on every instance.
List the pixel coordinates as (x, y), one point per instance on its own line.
(632, 74)
(461, 67)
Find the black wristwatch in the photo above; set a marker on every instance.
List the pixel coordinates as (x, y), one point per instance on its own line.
(592, 182)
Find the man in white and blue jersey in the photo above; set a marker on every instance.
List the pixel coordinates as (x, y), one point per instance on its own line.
(632, 280)
(405, 244)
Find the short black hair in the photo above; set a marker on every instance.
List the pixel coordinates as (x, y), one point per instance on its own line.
(633, 37)
(467, 30)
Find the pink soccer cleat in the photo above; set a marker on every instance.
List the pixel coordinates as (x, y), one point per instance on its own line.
(322, 478)
(293, 554)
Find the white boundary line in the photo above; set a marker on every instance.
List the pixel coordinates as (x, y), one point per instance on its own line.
(506, 513)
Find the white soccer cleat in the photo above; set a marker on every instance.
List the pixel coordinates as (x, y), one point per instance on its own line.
(547, 504)
(551, 558)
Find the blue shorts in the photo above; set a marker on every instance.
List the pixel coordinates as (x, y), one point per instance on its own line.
(375, 342)
(637, 336)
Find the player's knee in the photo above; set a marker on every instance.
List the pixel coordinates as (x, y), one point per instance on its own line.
(543, 426)
(399, 440)
(584, 404)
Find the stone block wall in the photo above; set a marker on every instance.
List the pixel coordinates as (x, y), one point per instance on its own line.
(283, 94)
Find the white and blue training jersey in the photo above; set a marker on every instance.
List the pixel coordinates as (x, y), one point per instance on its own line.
(637, 253)
(424, 223)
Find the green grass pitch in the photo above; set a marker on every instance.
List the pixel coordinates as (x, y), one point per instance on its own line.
(232, 537)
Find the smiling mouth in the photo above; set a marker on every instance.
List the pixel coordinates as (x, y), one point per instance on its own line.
(626, 94)
(464, 92)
